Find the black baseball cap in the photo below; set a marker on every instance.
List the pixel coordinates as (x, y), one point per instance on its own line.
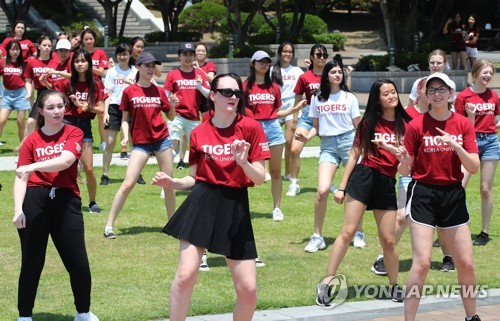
(184, 47)
(146, 58)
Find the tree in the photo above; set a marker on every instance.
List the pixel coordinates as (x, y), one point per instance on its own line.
(238, 29)
(110, 14)
(124, 19)
(170, 11)
(20, 10)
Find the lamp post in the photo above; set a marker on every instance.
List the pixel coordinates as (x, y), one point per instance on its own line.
(415, 42)
(231, 45)
(106, 30)
(7, 30)
(278, 34)
(392, 58)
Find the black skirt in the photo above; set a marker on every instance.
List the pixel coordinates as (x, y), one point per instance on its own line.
(216, 218)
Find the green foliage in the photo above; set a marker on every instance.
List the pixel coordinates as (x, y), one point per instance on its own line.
(312, 25)
(159, 36)
(337, 40)
(245, 51)
(255, 25)
(402, 60)
(202, 17)
(80, 21)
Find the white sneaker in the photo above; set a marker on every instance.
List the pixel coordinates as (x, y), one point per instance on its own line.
(315, 243)
(89, 316)
(24, 318)
(333, 188)
(162, 193)
(259, 263)
(268, 177)
(359, 240)
(278, 215)
(102, 146)
(293, 190)
(204, 265)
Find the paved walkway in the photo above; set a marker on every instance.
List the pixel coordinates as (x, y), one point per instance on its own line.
(431, 309)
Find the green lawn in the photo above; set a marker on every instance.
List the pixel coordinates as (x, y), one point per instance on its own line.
(132, 274)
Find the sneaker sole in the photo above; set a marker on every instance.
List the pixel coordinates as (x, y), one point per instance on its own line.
(278, 219)
(94, 212)
(204, 269)
(377, 272)
(446, 270)
(111, 237)
(316, 249)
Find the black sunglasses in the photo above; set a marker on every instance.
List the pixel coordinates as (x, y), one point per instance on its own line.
(226, 92)
(320, 54)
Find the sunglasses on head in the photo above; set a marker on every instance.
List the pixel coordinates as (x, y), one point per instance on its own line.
(226, 92)
(320, 54)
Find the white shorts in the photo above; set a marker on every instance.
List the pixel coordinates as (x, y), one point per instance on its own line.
(471, 52)
(287, 103)
(180, 125)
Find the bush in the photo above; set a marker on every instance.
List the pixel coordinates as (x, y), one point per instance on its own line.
(337, 40)
(80, 22)
(202, 17)
(402, 60)
(221, 50)
(255, 25)
(159, 36)
(312, 25)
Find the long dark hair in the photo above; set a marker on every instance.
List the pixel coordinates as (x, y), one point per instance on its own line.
(251, 80)
(215, 85)
(324, 86)
(8, 60)
(40, 120)
(373, 113)
(276, 74)
(89, 78)
(311, 53)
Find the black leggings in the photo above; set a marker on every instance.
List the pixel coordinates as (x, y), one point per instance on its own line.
(56, 212)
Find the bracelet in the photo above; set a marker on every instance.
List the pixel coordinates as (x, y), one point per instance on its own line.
(459, 150)
(341, 189)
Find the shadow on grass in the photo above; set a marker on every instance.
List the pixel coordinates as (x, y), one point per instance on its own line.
(216, 260)
(134, 230)
(52, 317)
(257, 215)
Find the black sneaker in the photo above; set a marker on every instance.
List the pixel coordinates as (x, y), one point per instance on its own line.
(474, 318)
(180, 165)
(448, 265)
(481, 239)
(94, 208)
(141, 180)
(379, 267)
(124, 155)
(104, 180)
(323, 297)
(436, 243)
(397, 294)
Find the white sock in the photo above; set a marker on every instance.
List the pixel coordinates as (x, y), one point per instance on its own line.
(316, 235)
(294, 181)
(108, 228)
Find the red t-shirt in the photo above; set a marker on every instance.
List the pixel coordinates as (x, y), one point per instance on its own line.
(308, 84)
(211, 151)
(82, 92)
(12, 75)
(27, 47)
(145, 106)
(57, 80)
(471, 33)
(410, 110)
(183, 85)
(263, 100)
(206, 116)
(99, 59)
(385, 163)
(39, 147)
(434, 163)
(486, 108)
(36, 67)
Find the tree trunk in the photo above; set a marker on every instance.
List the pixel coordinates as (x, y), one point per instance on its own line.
(165, 15)
(124, 19)
(387, 24)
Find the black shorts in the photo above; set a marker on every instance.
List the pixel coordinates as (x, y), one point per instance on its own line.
(115, 117)
(85, 124)
(216, 218)
(34, 110)
(437, 205)
(457, 47)
(377, 191)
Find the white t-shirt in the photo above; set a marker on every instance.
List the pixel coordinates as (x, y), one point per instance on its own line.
(114, 83)
(413, 94)
(289, 76)
(336, 114)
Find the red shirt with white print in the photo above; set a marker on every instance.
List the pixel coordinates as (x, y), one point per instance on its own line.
(36, 67)
(386, 163)
(487, 108)
(308, 84)
(263, 100)
(82, 93)
(183, 85)
(209, 67)
(99, 59)
(27, 47)
(410, 110)
(39, 147)
(145, 106)
(56, 80)
(12, 75)
(206, 116)
(435, 162)
(211, 151)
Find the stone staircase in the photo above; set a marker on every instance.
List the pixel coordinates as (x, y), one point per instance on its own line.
(135, 26)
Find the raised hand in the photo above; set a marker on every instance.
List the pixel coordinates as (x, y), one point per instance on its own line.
(239, 149)
(163, 180)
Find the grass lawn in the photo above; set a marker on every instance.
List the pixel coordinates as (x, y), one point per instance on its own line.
(132, 274)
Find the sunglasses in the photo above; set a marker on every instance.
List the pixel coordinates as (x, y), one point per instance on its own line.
(319, 55)
(226, 92)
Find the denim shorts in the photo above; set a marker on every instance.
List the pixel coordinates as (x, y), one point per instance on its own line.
(488, 146)
(180, 125)
(15, 100)
(287, 104)
(1, 89)
(404, 181)
(335, 149)
(273, 131)
(157, 146)
(305, 121)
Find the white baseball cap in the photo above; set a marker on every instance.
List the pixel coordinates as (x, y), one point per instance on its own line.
(443, 77)
(259, 55)
(63, 44)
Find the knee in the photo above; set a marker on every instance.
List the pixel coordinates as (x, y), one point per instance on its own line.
(88, 169)
(184, 281)
(485, 192)
(347, 235)
(322, 194)
(247, 294)
(464, 266)
(421, 266)
(388, 244)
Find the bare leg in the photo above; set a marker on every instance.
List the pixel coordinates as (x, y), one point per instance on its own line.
(386, 223)
(20, 124)
(108, 151)
(326, 172)
(295, 151)
(165, 161)
(275, 172)
(454, 60)
(463, 60)
(244, 276)
(488, 169)
(288, 144)
(87, 160)
(4, 115)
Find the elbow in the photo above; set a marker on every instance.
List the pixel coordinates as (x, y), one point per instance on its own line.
(473, 168)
